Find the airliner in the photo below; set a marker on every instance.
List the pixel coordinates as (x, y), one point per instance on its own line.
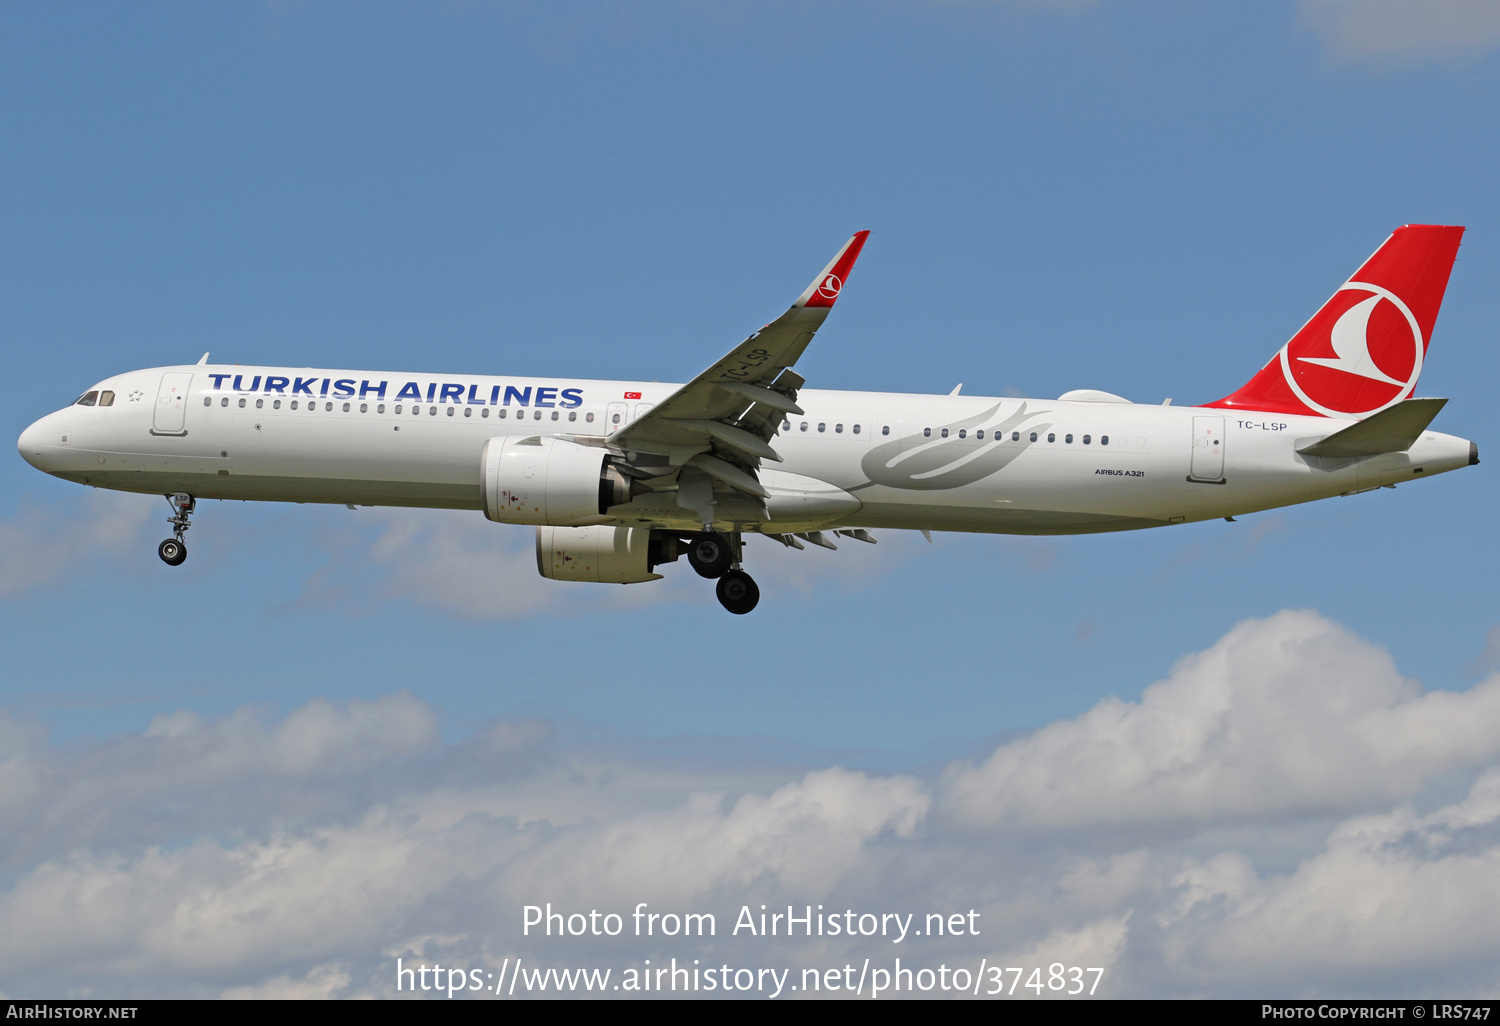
(620, 478)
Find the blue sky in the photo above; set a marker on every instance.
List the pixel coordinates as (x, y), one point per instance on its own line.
(1147, 198)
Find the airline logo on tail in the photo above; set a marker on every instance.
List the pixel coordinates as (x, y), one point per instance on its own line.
(1363, 351)
(1377, 322)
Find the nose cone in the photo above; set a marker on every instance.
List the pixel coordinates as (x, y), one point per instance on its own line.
(36, 440)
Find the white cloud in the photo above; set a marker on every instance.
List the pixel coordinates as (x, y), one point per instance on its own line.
(184, 775)
(313, 885)
(45, 543)
(1389, 893)
(1404, 30)
(300, 857)
(806, 834)
(1283, 717)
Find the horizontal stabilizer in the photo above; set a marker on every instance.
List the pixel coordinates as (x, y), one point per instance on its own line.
(1393, 429)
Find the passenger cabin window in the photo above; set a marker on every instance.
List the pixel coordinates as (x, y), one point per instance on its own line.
(1103, 439)
(222, 402)
(1033, 436)
(260, 404)
(962, 433)
(927, 432)
(1068, 439)
(275, 404)
(978, 434)
(207, 401)
(856, 429)
(1015, 436)
(945, 432)
(885, 430)
(838, 429)
(1087, 439)
(1051, 437)
(589, 417)
(822, 426)
(88, 399)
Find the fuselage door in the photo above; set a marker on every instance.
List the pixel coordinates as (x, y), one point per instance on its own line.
(1208, 450)
(170, 416)
(614, 417)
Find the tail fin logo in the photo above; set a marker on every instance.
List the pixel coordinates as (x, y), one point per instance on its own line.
(1373, 336)
(829, 288)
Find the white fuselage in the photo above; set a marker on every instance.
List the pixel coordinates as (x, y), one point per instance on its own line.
(951, 463)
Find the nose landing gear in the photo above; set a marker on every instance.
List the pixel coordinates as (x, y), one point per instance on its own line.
(714, 556)
(173, 551)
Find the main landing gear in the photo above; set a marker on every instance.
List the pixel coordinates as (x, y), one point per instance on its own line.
(715, 556)
(173, 551)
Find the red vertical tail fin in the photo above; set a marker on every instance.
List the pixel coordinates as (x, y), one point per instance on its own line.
(1363, 351)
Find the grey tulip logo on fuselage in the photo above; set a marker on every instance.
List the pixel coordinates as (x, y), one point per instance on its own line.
(931, 464)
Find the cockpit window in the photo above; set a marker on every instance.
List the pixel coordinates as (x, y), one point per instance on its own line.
(88, 399)
(106, 398)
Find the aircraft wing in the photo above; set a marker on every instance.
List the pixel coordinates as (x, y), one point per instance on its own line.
(722, 421)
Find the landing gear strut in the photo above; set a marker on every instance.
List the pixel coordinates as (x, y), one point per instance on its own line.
(173, 551)
(714, 556)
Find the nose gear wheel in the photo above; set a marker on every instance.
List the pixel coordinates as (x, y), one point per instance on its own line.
(173, 551)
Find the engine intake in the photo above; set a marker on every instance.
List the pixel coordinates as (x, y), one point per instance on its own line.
(549, 481)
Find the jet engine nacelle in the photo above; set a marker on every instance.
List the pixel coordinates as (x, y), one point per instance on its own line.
(607, 555)
(548, 481)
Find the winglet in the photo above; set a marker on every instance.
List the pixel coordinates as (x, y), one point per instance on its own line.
(826, 286)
